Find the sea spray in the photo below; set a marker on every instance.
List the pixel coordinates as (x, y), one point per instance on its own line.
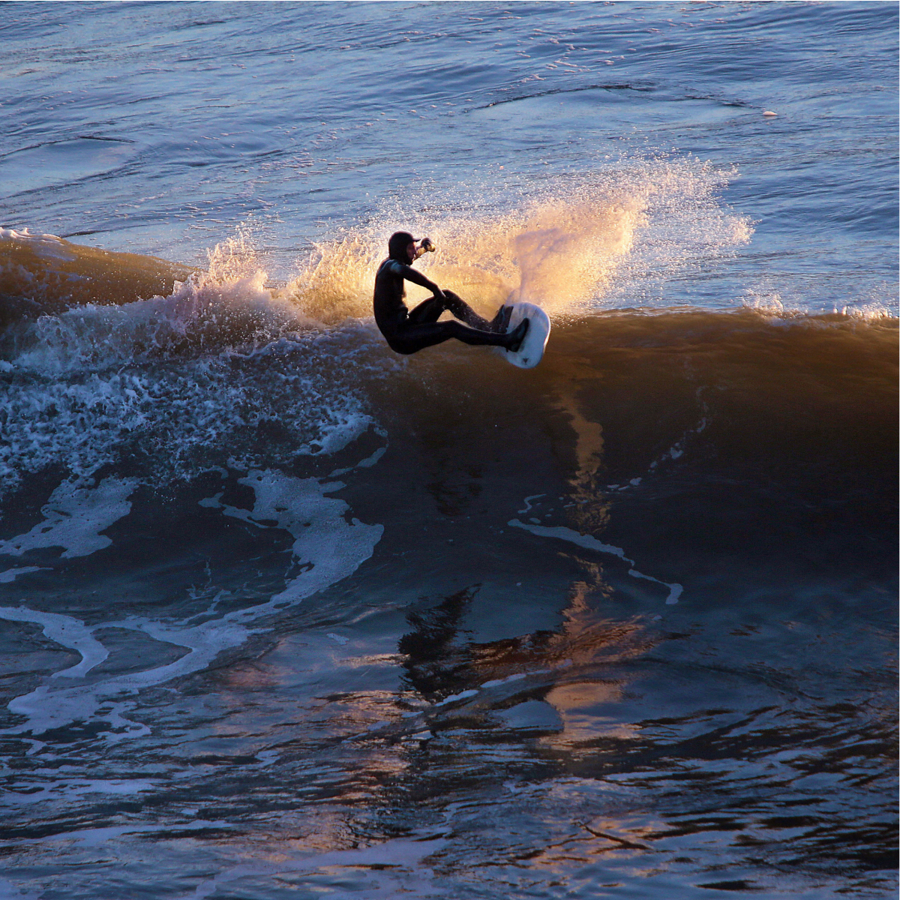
(572, 245)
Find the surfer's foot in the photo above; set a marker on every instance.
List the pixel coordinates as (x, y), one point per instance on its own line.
(500, 322)
(516, 337)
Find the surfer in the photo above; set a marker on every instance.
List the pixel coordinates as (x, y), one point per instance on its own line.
(408, 331)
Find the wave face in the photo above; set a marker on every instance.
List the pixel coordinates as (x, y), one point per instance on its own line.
(227, 365)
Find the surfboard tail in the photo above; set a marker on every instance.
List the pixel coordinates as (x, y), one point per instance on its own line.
(531, 350)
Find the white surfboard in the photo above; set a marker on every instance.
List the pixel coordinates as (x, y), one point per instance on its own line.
(532, 349)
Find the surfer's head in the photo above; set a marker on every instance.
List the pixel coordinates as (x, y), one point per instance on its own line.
(402, 247)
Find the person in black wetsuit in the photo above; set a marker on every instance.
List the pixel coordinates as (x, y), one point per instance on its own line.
(408, 331)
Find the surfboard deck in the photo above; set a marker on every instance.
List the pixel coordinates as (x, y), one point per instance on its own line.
(532, 349)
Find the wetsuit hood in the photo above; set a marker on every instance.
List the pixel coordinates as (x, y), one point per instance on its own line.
(397, 244)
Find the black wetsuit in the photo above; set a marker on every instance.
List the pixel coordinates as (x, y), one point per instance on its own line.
(409, 331)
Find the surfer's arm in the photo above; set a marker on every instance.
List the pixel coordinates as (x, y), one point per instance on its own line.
(410, 274)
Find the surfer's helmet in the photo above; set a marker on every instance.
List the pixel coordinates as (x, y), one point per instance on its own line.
(397, 244)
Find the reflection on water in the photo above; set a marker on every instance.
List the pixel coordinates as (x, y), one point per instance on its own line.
(387, 746)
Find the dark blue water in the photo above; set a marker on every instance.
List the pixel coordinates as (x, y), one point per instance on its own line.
(283, 614)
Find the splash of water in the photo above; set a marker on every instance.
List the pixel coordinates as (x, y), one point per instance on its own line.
(564, 246)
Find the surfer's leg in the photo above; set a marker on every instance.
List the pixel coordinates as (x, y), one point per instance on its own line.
(427, 311)
(511, 341)
(462, 311)
(430, 310)
(415, 337)
(500, 322)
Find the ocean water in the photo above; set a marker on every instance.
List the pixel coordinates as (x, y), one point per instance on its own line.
(286, 615)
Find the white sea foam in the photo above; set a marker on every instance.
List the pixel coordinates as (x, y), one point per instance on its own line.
(112, 699)
(588, 542)
(10, 575)
(87, 418)
(327, 548)
(527, 502)
(30, 792)
(67, 632)
(75, 517)
(323, 538)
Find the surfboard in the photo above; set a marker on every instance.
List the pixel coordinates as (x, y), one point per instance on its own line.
(532, 349)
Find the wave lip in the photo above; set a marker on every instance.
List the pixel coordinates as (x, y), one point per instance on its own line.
(45, 274)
